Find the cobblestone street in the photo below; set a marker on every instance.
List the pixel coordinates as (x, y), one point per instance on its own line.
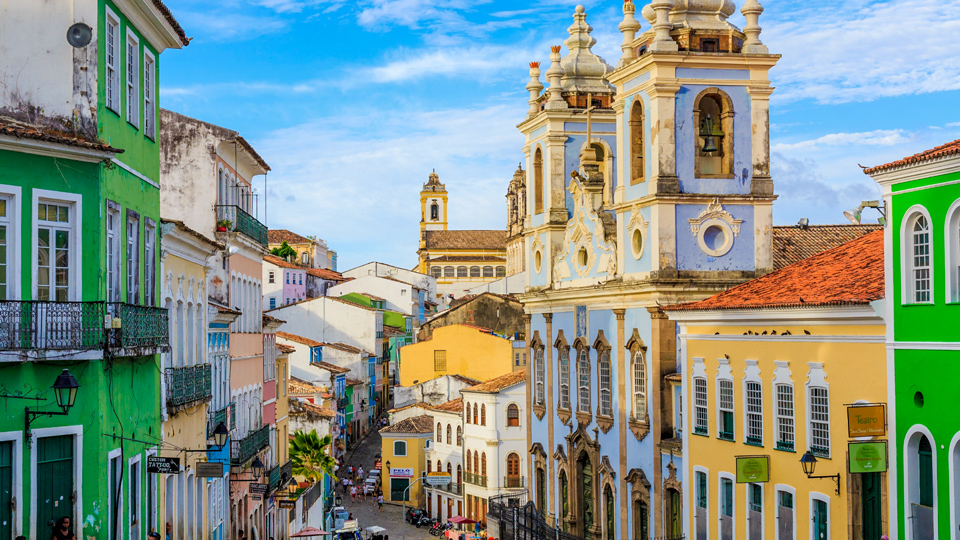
(391, 518)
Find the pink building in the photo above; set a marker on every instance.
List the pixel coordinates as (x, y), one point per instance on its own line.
(283, 282)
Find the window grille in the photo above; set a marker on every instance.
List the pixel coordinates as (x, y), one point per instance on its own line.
(700, 405)
(754, 413)
(820, 421)
(564, 361)
(583, 382)
(639, 386)
(540, 377)
(606, 408)
(921, 260)
(439, 360)
(726, 409)
(785, 425)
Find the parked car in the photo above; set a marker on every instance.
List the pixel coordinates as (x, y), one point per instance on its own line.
(370, 486)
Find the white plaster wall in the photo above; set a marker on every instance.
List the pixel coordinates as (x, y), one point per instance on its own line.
(434, 392)
(274, 289)
(397, 296)
(331, 321)
(408, 276)
(299, 364)
(496, 439)
(515, 284)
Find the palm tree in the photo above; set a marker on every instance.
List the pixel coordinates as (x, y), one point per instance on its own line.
(308, 455)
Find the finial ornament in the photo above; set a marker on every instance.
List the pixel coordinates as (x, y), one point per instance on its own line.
(751, 10)
(554, 74)
(534, 87)
(583, 70)
(629, 27)
(662, 42)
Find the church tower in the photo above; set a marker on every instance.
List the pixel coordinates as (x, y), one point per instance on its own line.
(433, 205)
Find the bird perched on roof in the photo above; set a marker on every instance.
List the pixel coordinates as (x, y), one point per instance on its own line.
(807, 332)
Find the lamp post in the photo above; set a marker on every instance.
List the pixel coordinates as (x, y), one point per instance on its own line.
(809, 464)
(65, 390)
(220, 435)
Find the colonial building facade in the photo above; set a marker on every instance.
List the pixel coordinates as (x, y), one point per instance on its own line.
(647, 184)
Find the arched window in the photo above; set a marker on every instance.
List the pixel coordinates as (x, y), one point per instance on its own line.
(639, 386)
(476, 461)
(449, 271)
(538, 182)
(449, 431)
(513, 415)
(563, 357)
(475, 413)
(459, 436)
(435, 271)
(439, 433)
(429, 466)
(540, 377)
(564, 499)
(513, 471)
(469, 461)
(483, 414)
(475, 271)
(637, 168)
(611, 524)
(919, 260)
(641, 523)
(925, 472)
(399, 448)
(606, 386)
(713, 116)
(435, 212)
(449, 468)
(483, 464)
(487, 271)
(501, 271)
(439, 466)
(583, 381)
(462, 271)
(585, 475)
(460, 474)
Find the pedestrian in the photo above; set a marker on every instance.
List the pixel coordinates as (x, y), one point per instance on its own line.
(346, 482)
(169, 531)
(154, 535)
(380, 503)
(61, 531)
(360, 472)
(353, 493)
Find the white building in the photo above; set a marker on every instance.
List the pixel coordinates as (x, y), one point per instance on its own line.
(397, 295)
(495, 444)
(283, 282)
(433, 392)
(423, 281)
(332, 320)
(446, 455)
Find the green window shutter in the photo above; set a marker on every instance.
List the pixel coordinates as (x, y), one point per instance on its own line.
(926, 472)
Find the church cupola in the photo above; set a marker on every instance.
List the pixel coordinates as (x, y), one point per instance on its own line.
(700, 25)
(433, 204)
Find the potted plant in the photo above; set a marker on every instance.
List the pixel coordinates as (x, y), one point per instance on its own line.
(224, 225)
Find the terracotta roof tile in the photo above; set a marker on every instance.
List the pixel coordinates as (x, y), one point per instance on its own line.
(286, 349)
(454, 405)
(792, 244)
(944, 150)
(50, 135)
(278, 236)
(416, 424)
(499, 383)
(849, 274)
(323, 273)
(165, 11)
(466, 239)
(273, 259)
(469, 380)
(354, 382)
(330, 367)
(346, 348)
(300, 386)
(299, 339)
(419, 404)
(301, 406)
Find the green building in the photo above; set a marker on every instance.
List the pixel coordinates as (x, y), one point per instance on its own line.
(79, 265)
(922, 205)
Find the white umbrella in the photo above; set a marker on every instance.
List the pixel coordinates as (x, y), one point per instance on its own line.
(375, 529)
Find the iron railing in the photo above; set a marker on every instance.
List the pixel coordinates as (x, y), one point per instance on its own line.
(245, 449)
(242, 222)
(214, 419)
(475, 479)
(519, 521)
(342, 403)
(27, 325)
(188, 385)
(513, 482)
(279, 476)
(451, 488)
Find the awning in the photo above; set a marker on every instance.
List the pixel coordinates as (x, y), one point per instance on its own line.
(375, 529)
(460, 520)
(309, 532)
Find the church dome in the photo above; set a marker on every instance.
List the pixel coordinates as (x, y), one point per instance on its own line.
(697, 14)
(583, 70)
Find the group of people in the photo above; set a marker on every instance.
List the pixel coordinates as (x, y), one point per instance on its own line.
(353, 483)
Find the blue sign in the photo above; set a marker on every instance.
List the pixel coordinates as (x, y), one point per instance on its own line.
(581, 312)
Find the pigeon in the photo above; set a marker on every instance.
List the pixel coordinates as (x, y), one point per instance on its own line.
(807, 332)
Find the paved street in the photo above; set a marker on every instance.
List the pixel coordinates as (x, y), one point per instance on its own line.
(366, 512)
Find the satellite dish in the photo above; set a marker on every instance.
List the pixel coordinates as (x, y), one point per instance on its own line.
(79, 35)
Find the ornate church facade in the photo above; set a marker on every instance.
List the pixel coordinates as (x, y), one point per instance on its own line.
(646, 184)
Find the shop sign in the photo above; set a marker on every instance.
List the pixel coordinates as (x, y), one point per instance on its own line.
(438, 478)
(289, 504)
(397, 472)
(209, 469)
(258, 488)
(163, 465)
(867, 457)
(753, 469)
(867, 420)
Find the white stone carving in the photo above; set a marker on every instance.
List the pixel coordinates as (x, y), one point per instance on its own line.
(715, 211)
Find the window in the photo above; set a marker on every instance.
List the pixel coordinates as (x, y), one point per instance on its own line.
(6, 239)
(540, 377)
(150, 263)
(475, 414)
(636, 142)
(149, 102)
(513, 415)
(449, 432)
(513, 469)
(701, 489)
(709, 45)
(449, 271)
(726, 498)
(399, 448)
(564, 362)
(133, 80)
(304, 258)
(583, 381)
(483, 464)
(606, 393)
(54, 238)
(754, 413)
(133, 257)
(639, 386)
(439, 360)
(462, 271)
(819, 421)
(439, 433)
(487, 271)
(920, 261)
(301, 279)
(469, 461)
(725, 396)
(483, 414)
(700, 406)
(474, 271)
(925, 470)
(435, 212)
(115, 472)
(785, 426)
(286, 276)
(271, 277)
(113, 62)
(435, 271)
(501, 271)
(538, 182)
(459, 436)
(133, 500)
(113, 252)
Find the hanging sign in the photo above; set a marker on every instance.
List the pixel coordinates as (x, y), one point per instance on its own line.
(753, 469)
(289, 504)
(209, 469)
(163, 465)
(867, 457)
(867, 420)
(397, 472)
(258, 488)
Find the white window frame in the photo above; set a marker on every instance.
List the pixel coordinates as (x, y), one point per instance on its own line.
(725, 374)
(132, 76)
(132, 257)
(112, 503)
(907, 283)
(604, 383)
(815, 496)
(540, 374)
(114, 239)
(693, 501)
(76, 432)
(751, 376)
(113, 81)
(137, 519)
(562, 352)
(583, 405)
(75, 202)
(150, 262)
(721, 476)
(782, 377)
(12, 194)
(816, 378)
(149, 95)
(748, 487)
(16, 437)
(404, 443)
(777, 488)
(639, 385)
(951, 239)
(149, 479)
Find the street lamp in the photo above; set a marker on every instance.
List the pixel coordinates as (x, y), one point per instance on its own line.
(65, 390)
(256, 468)
(809, 464)
(220, 435)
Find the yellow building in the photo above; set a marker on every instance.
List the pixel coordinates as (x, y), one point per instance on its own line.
(187, 380)
(403, 449)
(770, 369)
(457, 349)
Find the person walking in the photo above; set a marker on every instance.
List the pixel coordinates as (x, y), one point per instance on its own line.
(346, 485)
(360, 472)
(61, 531)
(380, 503)
(353, 493)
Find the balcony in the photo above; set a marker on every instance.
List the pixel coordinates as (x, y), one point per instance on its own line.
(513, 482)
(451, 488)
(32, 328)
(187, 386)
(475, 479)
(214, 419)
(279, 476)
(242, 222)
(243, 450)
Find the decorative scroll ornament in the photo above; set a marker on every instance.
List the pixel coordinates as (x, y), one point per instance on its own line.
(715, 211)
(581, 234)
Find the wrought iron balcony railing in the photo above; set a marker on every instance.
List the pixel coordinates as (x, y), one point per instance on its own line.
(241, 222)
(214, 419)
(243, 450)
(127, 329)
(513, 482)
(188, 385)
(342, 403)
(451, 488)
(280, 475)
(475, 479)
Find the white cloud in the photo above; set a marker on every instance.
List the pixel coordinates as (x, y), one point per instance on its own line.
(383, 14)
(805, 193)
(865, 50)
(472, 62)
(879, 137)
(222, 25)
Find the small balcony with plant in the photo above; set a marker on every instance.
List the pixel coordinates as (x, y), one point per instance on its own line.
(233, 219)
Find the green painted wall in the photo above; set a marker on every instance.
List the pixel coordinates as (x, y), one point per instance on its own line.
(357, 298)
(394, 319)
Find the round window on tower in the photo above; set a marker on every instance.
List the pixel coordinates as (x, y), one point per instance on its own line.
(582, 257)
(636, 243)
(715, 237)
(538, 260)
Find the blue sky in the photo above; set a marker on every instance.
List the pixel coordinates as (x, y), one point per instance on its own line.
(354, 103)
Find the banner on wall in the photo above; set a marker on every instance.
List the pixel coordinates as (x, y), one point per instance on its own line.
(753, 469)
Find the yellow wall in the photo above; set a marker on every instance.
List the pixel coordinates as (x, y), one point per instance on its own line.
(855, 371)
(415, 459)
(470, 352)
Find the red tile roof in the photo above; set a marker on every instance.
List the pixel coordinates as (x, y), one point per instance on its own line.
(273, 259)
(943, 150)
(466, 239)
(165, 11)
(499, 383)
(278, 236)
(849, 274)
(346, 348)
(416, 424)
(454, 405)
(300, 386)
(285, 349)
(299, 339)
(792, 244)
(322, 273)
(330, 367)
(50, 135)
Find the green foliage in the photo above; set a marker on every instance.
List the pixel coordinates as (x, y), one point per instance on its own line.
(284, 251)
(309, 456)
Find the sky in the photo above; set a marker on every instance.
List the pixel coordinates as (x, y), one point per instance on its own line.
(354, 103)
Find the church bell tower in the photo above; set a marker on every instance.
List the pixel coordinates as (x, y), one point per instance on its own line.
(433, 205)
